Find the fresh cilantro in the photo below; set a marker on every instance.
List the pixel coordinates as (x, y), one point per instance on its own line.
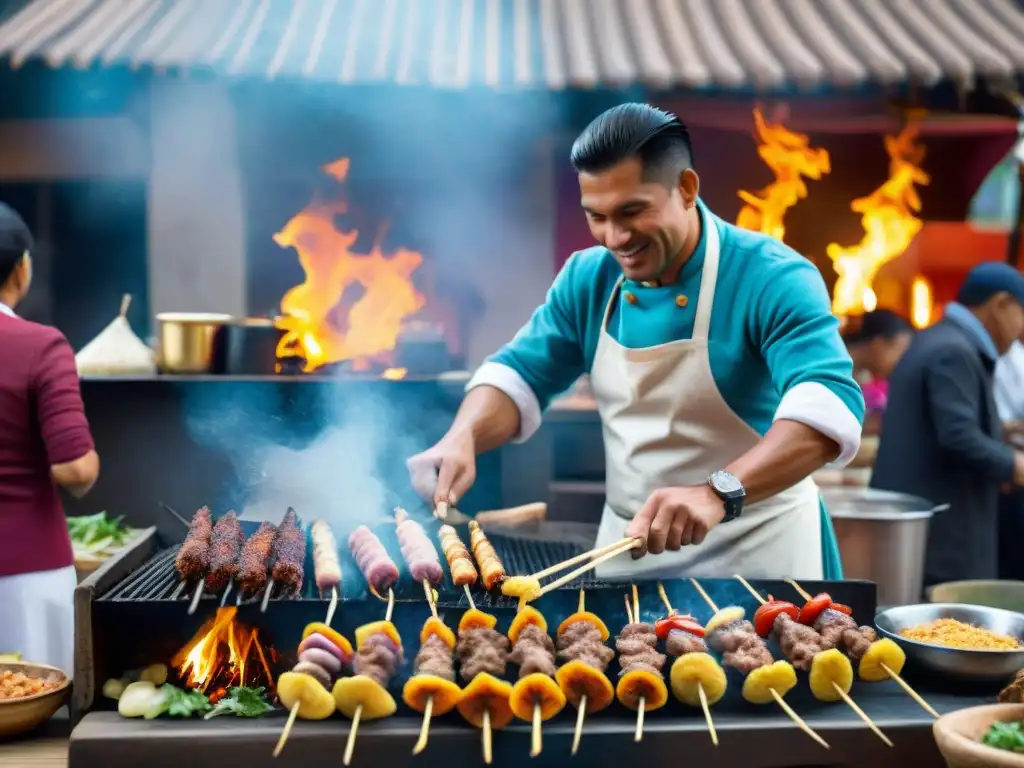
(242, 702)
(97, 532)
(182, 703)
(1008, 736)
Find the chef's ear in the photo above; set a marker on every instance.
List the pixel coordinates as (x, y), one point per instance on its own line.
(689, 187)
(24, 272)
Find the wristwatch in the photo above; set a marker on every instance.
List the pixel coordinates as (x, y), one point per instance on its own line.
(730, 490)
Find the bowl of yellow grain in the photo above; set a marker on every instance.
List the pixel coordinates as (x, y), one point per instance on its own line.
(965, 642)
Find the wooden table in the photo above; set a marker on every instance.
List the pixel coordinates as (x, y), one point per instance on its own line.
(44, 748)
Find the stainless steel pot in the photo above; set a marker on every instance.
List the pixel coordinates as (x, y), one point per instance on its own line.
(187, 342)
(882, 537)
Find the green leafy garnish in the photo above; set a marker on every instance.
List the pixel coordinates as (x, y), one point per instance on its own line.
(242, 702)
(182, 703)
(1007, 736)
(94, 533)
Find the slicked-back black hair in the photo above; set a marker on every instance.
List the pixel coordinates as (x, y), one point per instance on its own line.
(657, 137)
(15, 241)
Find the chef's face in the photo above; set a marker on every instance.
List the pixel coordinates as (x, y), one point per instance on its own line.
(1007, 321)
(641, 221)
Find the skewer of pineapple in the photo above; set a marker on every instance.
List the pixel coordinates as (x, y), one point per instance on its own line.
(535, 697)
(585, 687)
(882, 660)
(830, 677)
(764, 684)
(484, 701)
(639, 689)
(430, 694)
(696, 678)
(360, 697)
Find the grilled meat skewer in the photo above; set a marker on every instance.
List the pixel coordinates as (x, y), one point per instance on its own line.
(193, 558)
(225, 545)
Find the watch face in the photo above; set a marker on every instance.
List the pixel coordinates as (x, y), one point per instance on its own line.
(726, 483)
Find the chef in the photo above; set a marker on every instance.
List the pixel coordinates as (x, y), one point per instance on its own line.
(44, 442)
(718, 370)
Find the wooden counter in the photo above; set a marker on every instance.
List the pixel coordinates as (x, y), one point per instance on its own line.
(44, 748)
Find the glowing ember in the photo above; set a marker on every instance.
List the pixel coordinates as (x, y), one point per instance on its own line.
(921, 302)
(791, 158)
(889, 221)
(394, 374)
(351, 305)
(224, 652)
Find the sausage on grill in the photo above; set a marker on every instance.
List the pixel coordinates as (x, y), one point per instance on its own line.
(225, 546)
(289, 553)
(254, 561)
(194, 556)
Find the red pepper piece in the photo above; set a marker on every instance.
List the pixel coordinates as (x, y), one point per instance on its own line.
(812, 608)
(764, 617)
(842, 608)
(677, 621)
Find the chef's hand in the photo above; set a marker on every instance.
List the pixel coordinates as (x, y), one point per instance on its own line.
(445, 472)
(675, 517)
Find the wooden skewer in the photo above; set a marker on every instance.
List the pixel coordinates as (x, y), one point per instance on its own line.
(700, 687)
(391, 605)
(350, 745)
(294, 713)
(332, 607)
(429, 592)
(581, 709)
(195, 598)
(636, 602)
(624, 546)
(224, 597)
(266, 595)
(485, 737)
(894, 675)
(597, 552)
(469, 596)
(175, 515)
(842, 694)
(775, 694)
(421, 743)
(535, 735)
(126, 302)
(640, 722)
(629, 610)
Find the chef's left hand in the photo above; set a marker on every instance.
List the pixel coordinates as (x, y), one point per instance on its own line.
(675, 517)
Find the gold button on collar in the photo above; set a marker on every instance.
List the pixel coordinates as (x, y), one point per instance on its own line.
(629, 297)
(681, 300)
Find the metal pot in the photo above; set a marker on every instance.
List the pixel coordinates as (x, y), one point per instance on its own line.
(251, 347)
(187, 342)
(882, 537)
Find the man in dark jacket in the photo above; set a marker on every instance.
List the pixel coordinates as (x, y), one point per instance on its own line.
(942, 437)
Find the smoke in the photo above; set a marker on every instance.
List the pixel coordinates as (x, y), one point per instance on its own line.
(333, 450)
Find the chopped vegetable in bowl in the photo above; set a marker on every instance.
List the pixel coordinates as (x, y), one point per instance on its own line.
(1006, 736)
(96, 534)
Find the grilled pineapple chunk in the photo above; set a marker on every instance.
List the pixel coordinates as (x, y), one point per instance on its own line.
(697, 670)
(780, 677)
(880, 654)
(830, 667)
(724, 616)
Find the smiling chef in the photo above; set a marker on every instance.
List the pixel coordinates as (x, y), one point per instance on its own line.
(716, 363)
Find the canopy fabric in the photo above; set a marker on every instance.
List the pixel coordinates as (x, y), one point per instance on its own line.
(761, 45)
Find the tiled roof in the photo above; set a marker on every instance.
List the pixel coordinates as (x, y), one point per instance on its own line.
(764, 45)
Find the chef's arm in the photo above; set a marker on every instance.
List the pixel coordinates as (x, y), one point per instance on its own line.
(953, 392)
(819, 416)
(74, 463)
(788, 453)
(509, 392)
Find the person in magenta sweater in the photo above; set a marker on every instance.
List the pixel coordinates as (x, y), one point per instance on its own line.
(45, 442)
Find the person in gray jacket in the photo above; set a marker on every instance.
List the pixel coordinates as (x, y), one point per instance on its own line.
(942, 437)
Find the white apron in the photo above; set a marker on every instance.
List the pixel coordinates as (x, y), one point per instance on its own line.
(37, 617)
(665, 424)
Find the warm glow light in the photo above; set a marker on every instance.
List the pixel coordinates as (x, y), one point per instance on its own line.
(921, 302)
(350, 306)
(225, 652)
(790, 157)
(889, 221)
(869, 300)
(394, 374)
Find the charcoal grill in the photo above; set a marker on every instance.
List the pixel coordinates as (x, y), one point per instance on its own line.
(131, 602)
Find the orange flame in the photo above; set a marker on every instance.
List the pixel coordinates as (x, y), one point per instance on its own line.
(922, 302)
(889, 221)
(223, 651)
(790, 157)
(322, 323)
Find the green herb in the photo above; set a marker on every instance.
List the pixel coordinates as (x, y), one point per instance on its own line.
(96, 532)
(182, 703)
(1008, 736)
(242, 702)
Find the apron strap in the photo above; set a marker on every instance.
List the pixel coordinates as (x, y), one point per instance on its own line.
(709, 276)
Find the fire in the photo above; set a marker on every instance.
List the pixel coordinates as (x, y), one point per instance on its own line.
(350, 306)
(790, 157)
(224, 652)
(921, 302)
(889, 221)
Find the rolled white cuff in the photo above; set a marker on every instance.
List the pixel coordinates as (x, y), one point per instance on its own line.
(820, 408)
(509, 381)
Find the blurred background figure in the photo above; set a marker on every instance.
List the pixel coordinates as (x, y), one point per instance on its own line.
(876, 347)
(1009, 394)
(44, 442)
(942, 437)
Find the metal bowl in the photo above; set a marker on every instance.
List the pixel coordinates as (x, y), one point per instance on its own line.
(975, 666)
(29, 712)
